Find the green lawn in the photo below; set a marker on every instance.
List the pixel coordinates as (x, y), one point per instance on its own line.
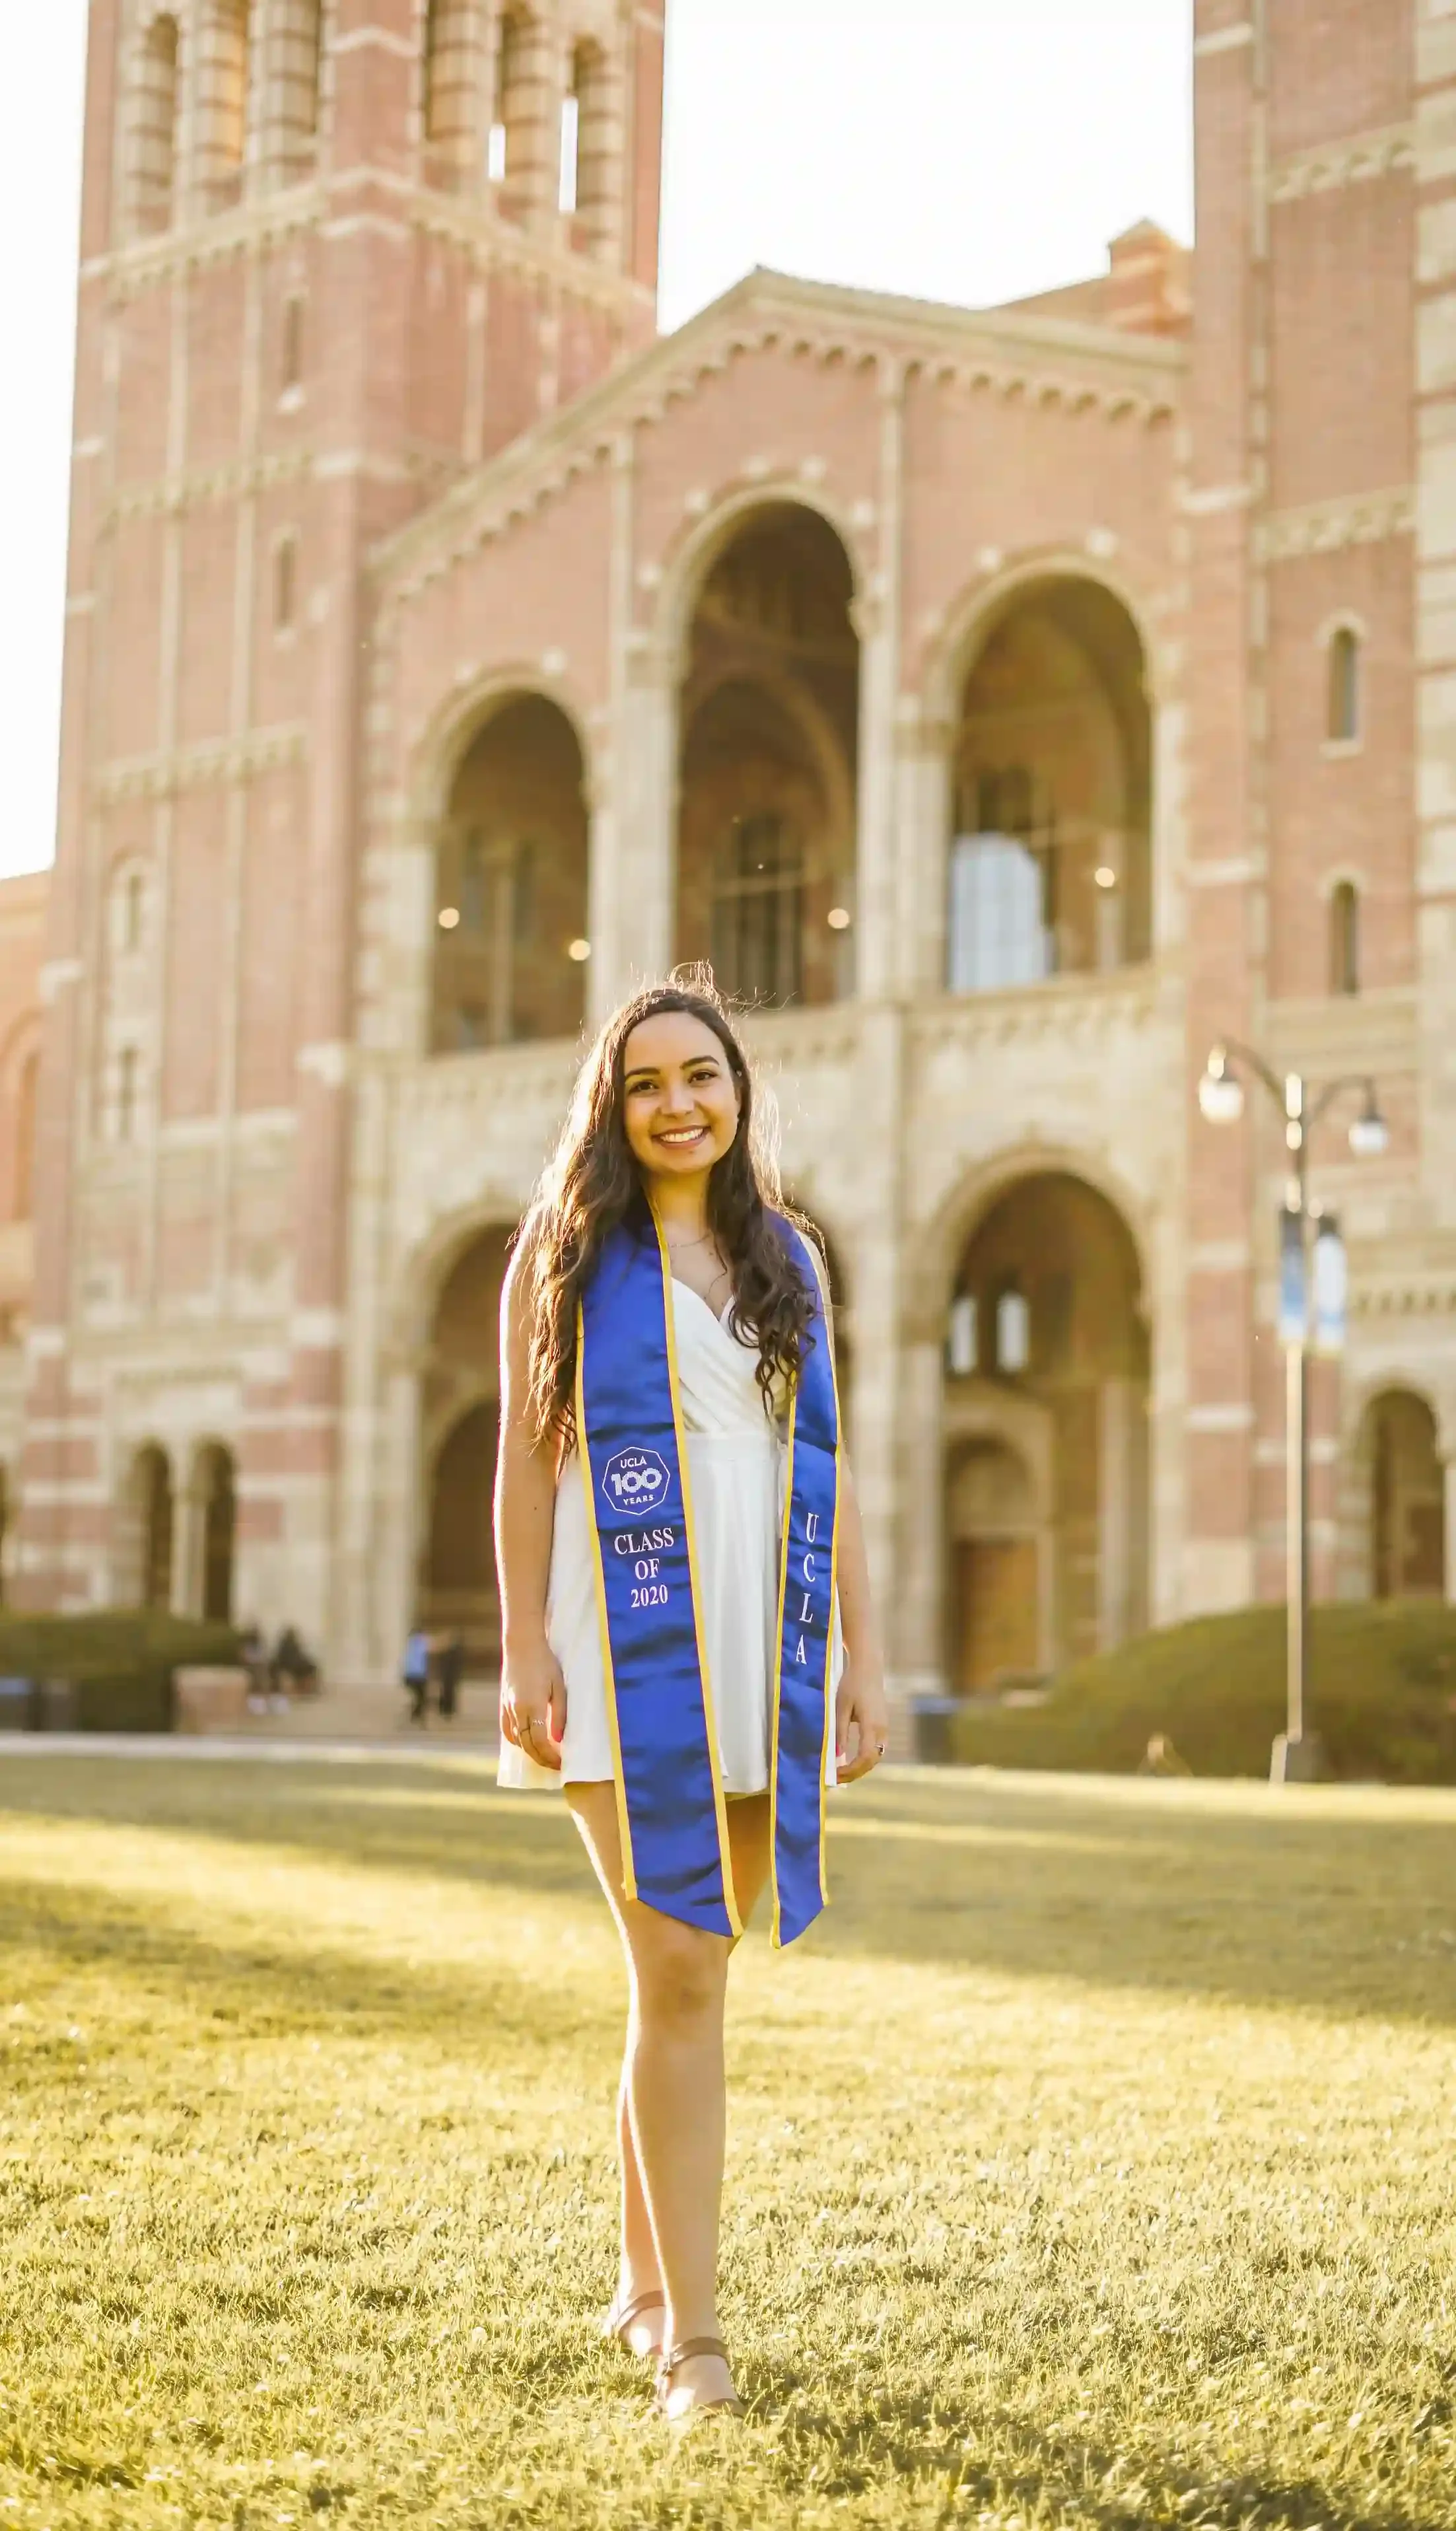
(1095, 2163)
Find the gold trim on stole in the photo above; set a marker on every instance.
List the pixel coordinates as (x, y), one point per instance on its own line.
(720, 1806)
(598, 1576)
(779, 1685)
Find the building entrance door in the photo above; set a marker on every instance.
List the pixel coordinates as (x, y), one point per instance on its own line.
(996, 1612)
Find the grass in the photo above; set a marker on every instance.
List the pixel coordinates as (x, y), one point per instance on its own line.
(1382, 1695)
(1091, 2165)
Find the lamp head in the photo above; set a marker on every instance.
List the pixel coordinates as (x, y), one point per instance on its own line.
(1370, 1135)
(1220, 1090)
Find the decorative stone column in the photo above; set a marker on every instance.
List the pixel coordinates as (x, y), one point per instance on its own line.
(923, 821)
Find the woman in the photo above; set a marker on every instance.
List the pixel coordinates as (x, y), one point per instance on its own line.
(684, 1593)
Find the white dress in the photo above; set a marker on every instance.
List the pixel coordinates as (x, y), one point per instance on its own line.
(737, 1460)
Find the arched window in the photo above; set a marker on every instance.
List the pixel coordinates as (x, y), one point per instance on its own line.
(154, 126)
(511, 884)
(133, 899)
(1344, 939)
(587, 151)
(295, 88)
(217, 1493)
(1344, 699)
(26, 1087)
(225, 79)
(757, 911)
(152, 1511)
(1050, 852)
(769, 709)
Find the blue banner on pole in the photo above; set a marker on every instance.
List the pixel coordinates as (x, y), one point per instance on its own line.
(1293, 1299)
(1331, 1288)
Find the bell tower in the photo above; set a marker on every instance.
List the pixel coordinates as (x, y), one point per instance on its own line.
(334, 253)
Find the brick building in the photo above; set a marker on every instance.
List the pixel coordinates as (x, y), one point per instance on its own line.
(1010, 702)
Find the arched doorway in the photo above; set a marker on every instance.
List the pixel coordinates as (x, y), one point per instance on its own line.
(1047, 1515)
(511, 877)
(216, 1496)
(769, 723)
(1051, 857)
(1407, 1498)
(457, 1590)
(151, 1519)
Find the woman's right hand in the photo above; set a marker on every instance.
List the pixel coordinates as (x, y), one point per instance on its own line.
(533, 1702)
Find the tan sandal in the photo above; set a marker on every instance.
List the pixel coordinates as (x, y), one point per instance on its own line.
(622, 2318)
(667, 2365)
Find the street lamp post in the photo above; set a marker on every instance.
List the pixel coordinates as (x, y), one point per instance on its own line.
(1296, 1755)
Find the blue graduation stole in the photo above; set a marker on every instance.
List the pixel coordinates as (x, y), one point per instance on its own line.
(634, 1464)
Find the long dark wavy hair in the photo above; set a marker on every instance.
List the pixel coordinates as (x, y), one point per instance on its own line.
(593, 1183)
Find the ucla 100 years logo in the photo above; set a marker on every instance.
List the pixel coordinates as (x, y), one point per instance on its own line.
(635, 1480)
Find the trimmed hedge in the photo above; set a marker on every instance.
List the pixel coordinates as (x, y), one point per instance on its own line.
(1383, 1697)
(118, 1661)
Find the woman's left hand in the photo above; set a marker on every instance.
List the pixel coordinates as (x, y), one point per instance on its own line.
(862, 1703)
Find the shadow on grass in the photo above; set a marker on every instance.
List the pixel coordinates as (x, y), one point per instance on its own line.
(916, 2439)
(1259, 1901)
(243, 1988)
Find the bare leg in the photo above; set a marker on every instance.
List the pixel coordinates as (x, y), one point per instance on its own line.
(637, 2270)
(673, 2076)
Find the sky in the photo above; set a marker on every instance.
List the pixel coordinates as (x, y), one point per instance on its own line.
(968, 151)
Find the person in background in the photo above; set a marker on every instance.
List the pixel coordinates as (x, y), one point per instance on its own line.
(414, 1673)
(450, 1671)
(294, 1671)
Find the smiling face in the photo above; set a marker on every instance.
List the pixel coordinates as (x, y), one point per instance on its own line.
(681, 1104)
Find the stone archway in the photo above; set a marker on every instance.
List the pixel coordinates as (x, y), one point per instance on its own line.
(1400, 1457)
(1045, 1418)
(769, 739)
(460, 1417)
(510, 938)
(1050, 853)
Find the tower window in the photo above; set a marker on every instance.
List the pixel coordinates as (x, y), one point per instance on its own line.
(286, 584)
(571, 138)
(131, 926)
(1344, 939)
(450, 57)
(296, 66)
(507, 151)
(1344, 699)
(154, 134)
(593, 200)
(227, 69)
